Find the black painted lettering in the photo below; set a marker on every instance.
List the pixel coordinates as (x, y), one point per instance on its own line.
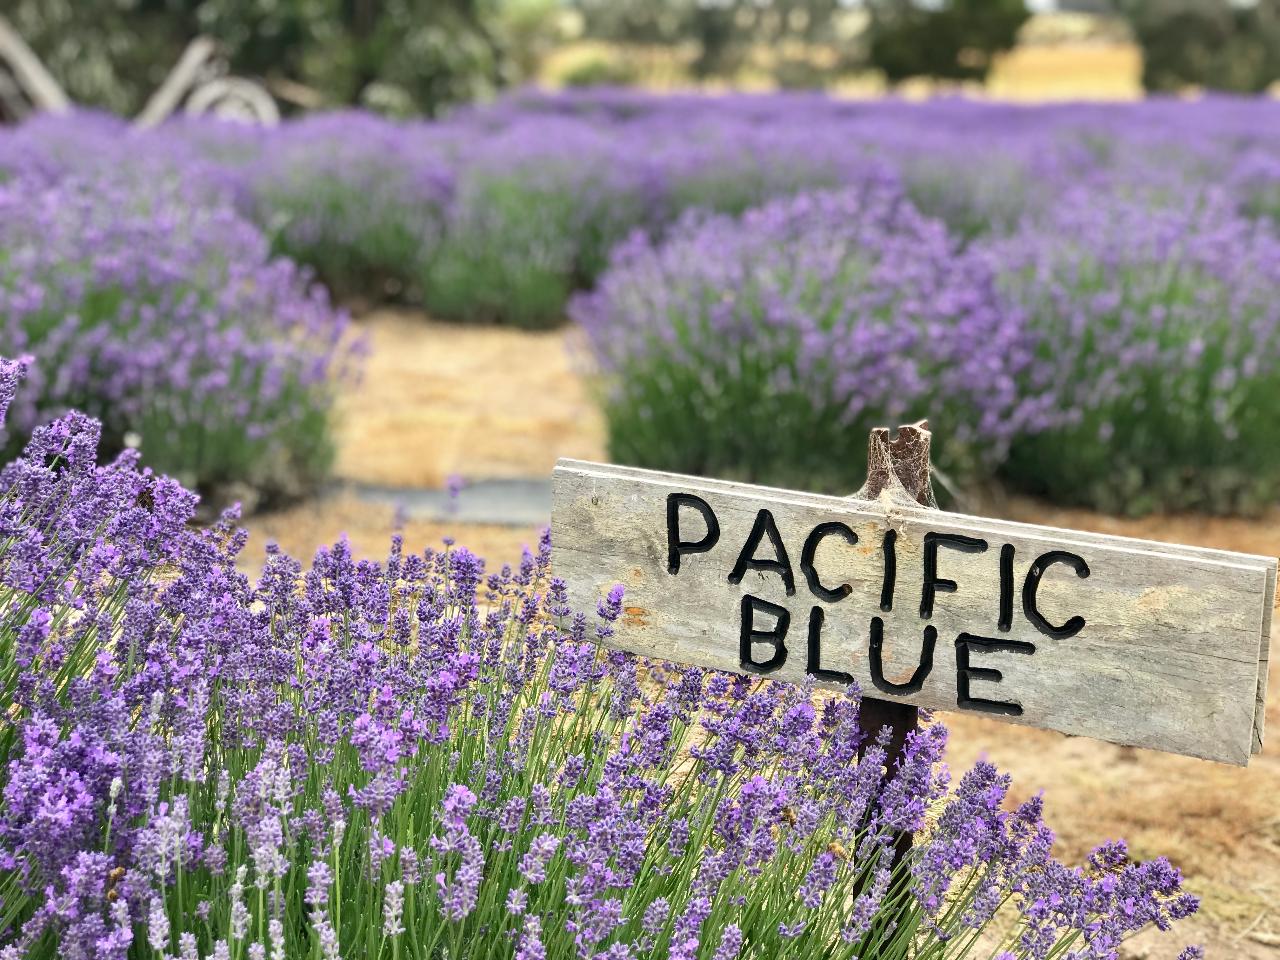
(1006, 586)
(764, 526)
(813, 665)
(749, 635)
(1031, 587)
(922, 670)
(889, 545)
(932, 582)
(811, 542)
(676, 547)
(967, 643)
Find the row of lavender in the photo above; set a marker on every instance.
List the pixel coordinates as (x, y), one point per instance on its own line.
(1123, 354)
(416, 759)
(501, 211)
(1082, 297)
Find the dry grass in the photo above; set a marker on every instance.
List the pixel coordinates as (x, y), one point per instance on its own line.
(489, 402)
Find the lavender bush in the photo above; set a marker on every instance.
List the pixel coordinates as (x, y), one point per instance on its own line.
(536, 211)
(168, 320)
(361, 200)
(416, 759)
(767, 347)
(1157, 355)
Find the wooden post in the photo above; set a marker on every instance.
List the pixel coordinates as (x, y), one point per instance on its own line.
(897, 467)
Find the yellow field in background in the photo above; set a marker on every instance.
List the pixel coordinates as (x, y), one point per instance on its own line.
(1087, 70)
(1092, 71)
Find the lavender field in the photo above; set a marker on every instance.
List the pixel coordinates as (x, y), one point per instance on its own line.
(1080, 297)
(429, 757)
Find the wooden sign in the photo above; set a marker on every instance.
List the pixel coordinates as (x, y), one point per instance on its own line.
(1130, 641)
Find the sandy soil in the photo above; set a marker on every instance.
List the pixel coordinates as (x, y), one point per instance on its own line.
(474, 401)
(488, 402)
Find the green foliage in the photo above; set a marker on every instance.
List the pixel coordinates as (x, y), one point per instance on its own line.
(1208, 43)
(723, 32)
(410, 55)
(600, 72)
(951, 39)
(528, 30)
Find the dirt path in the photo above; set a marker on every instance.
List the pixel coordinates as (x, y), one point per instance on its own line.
(479, 402)
(483, 402)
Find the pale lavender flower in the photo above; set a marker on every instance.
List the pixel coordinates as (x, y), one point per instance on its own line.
(393, 908)
(533, 865)
(530, 946)
(158, 925)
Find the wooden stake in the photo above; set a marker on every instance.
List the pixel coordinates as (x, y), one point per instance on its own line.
(897, 467)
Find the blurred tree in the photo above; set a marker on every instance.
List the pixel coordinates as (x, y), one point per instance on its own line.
(945, 39)
(1207, 43)
(528, 31)
(600, 72)
(724, 32)
(411, 55)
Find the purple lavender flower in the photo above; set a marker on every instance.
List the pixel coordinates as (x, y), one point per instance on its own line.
(530, 944)
(533, 865)
(730, 943)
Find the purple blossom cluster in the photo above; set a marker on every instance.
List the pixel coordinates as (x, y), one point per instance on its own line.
(167, 318)
(422, 758)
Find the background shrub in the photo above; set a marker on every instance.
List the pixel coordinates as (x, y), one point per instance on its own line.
(538, 206)
(419, 54)
(363, 201)
(766, 348)
(733, 164)
(169, 321)
(1156, 334)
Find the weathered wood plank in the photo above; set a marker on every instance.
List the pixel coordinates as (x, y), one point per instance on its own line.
(1168, 656)
(1264, 661)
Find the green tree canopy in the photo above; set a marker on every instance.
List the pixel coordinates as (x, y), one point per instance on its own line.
(945, 39)
(1208, 43)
